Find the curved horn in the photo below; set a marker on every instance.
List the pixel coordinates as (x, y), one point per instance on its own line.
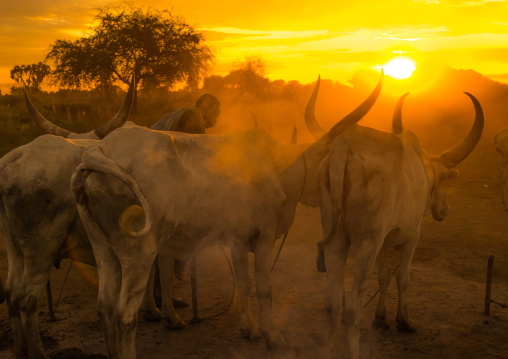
(397, 127)
(256, 123)
(310, 115)
(121, 116)
(453, 157)
(44, 124)
(358, 113)
(294, 138)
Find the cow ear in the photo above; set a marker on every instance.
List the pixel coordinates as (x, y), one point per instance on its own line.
(453, 174)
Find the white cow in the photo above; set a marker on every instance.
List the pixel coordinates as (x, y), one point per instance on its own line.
(38, 218)
(240, 190)
(375, 187)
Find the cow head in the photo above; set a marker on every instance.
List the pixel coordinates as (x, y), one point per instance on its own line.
(439, 168)
(117, 121)
(501, 141)
(439, 180)
(314, 154)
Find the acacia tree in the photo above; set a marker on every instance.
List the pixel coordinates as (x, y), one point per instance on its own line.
(160, 48)
(30, 76)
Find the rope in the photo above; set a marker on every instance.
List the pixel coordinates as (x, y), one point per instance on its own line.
(280, 249)
(234, 289)
(234, 281)
(63, 285)
(500, 304)
(374, 295)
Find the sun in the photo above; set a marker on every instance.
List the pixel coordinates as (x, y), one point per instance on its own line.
(400, 67)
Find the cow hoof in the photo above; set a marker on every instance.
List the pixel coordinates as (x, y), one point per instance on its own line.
(152, 315)
(380, 323)
(179, 303)
(405, 326)
(177, 324)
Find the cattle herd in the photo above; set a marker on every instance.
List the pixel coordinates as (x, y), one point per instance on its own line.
(122, 195)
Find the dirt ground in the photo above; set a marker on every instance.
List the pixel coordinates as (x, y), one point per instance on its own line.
(446, 294)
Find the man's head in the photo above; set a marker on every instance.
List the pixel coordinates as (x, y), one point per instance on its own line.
(210, 108)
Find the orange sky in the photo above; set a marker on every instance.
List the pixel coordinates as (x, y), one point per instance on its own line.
(297, 39)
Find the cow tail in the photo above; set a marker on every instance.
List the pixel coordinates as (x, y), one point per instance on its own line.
(95, 160)
(331, 185)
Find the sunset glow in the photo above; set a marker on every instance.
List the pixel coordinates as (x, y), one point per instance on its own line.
(297, 40)
(400, 67)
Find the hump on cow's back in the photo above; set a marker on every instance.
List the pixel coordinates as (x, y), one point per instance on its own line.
(382, 151)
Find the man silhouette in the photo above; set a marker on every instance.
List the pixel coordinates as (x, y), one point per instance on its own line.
(191, 120)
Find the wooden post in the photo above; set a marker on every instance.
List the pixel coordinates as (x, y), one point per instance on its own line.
(194, 287)
(50, 302)
(488, 289)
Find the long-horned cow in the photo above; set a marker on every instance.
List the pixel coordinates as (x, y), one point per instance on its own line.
(375, 187)
(501, 141)
(240, 190)
(38, 218)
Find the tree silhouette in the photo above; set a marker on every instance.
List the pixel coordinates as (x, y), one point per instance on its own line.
(30, 76)
(160, 48)
(247, 77)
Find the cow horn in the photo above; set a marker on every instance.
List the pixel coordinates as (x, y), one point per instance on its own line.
(357, 113)
(121, 116)
(294, 138)
(44, 124)
(397, 127)
(453, 157)
(310, 115)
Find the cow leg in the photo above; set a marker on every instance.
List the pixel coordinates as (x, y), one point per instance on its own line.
(16, 268)
(136, 266)
(335, 256)
(150, 311)
(504, 182)
(34, 280)
(263, 256)
(240, 256)
(365, 260)
(407, 251)
(15, 260)
(110, 278)
(384, 280)
(166, 271)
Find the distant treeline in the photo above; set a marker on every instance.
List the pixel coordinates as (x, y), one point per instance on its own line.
(440, 115)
